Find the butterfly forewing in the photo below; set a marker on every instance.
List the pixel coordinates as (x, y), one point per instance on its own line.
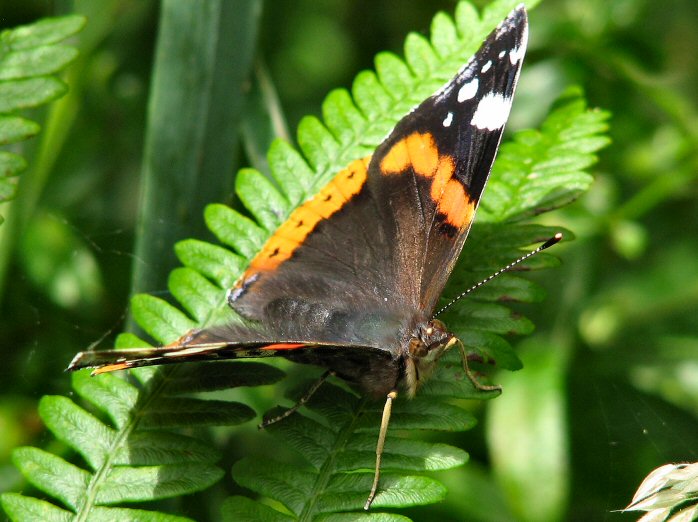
(435, 164)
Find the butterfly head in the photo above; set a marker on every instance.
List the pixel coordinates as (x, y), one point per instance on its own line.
(428, 343)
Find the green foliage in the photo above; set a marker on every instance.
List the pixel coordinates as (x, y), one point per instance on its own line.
(129, 439)
(30, 58)
(127, 444)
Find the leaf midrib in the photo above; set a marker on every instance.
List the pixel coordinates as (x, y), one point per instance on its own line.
(327, 470)
(146, 398)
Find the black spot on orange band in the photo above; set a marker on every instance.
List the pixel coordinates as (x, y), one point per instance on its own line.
(303, 220)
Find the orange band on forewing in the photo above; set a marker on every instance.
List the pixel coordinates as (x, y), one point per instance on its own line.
(416, 150)
(456, 205)
(302, 221)
(419, 152)
(283, 346)
(396, 159)
(442, 177)
(423, 153)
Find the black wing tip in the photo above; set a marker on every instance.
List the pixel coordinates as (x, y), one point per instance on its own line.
(515, 21)
(518, 14)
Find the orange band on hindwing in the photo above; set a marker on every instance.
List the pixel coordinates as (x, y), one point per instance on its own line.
(302, 221)
(419, 152)
(283, 346)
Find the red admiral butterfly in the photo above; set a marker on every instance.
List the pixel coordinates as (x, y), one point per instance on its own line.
(351, 280)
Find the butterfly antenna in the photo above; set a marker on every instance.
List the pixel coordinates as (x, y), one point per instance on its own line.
(550, 242)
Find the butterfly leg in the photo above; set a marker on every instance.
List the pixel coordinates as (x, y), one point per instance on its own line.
(387, 409)
(302, 401)
(464, 357)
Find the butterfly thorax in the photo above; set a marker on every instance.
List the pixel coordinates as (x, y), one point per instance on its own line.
(424, 349)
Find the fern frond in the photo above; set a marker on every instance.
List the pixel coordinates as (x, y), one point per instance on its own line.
(337, 439)
(30, 57)
(132, 456)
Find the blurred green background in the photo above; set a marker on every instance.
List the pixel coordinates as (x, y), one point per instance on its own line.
(615, 354)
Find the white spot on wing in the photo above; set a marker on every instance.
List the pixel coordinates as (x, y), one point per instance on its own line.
(492, 112)
(468, 90)
(448, 119)
(516, 54)
(502, 53)
(486, 67)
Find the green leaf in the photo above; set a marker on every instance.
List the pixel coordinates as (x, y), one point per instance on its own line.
(29, 62)
(129, 461)
(114, 396)
(494, 318)
(291, 172)
(52, 474)
(19, 507)
(195, 292)
(348, 491)
(362, 517)
(202, 64)
(11, 163)
(371, 97)
(77, 428)
(153, 447)
(36, 62)
(222, 375)
(133, 515)
(44, 32)
(234, 229)
(14, 128)
(404, 454)
(134, 484)
(341, 115)
(420, 55)
(317, 143)
(260, 197)
(242, 508)
(28, 93)
(286, 483)
(182, 412)
(212, 261)
(159, 318)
